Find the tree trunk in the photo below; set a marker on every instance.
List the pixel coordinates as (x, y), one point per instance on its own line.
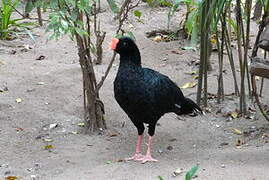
(257, 11)
(93, 106)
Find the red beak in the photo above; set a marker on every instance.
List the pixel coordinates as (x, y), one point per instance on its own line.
(113, 43)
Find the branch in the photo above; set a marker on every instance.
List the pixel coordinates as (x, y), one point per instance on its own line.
(125, 3)
(123, 15)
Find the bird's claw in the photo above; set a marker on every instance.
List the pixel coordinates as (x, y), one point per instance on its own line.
(148, 158)
(135, 157)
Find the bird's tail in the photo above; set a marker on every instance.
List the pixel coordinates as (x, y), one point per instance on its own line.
(188, 107)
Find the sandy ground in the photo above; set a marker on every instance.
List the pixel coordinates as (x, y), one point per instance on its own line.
(51, 90)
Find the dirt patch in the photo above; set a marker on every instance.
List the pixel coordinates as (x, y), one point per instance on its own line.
(50, 89)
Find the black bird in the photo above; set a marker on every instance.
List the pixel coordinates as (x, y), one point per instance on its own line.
(144, 94)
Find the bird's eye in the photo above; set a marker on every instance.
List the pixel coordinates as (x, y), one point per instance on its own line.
(124, 43)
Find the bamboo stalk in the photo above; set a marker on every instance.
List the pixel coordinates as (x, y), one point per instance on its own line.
(220, 55)
(227, 42)
(239, 21)
(261, 88)
(202, 56)
(248, 5)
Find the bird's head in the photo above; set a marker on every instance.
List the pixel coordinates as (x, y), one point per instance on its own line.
(123, 45)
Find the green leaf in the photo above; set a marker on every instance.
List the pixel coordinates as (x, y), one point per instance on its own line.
(232, 23)
(29, 6)
(108, 162)
(165, 3)
(113, 6)
(130, 35)
(174, 7)
(30, 34)
(160, 178)
(191, 172)
(126, 34)
(137, 13)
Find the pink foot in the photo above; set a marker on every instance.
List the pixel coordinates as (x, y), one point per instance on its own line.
(147, 158)
(136, 157)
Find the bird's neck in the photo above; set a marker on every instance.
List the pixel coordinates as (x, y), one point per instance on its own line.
(130, 59)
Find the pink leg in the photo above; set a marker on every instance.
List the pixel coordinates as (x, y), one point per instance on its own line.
(148, 156)
(137, 156)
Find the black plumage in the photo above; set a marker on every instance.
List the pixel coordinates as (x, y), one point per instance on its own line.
(144, 94)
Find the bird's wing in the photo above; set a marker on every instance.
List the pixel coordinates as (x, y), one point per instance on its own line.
(164, 92)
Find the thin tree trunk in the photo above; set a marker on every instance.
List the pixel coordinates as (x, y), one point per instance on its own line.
(261, 88)
(257, 11)
(239, 21)
(246, 45)
(231, 60)
(202, 57)
(220, 55)
(39, 14)
(204, 53)
(92, 104)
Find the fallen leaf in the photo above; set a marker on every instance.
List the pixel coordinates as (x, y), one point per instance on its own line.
(41, 57)
(48, 140)
(169, 148)
(112, 134)
(162, 65)
(189, 48)
(238, 143)
(108, 162)
(208, 110)
(189, 85)
(11, 178)
(195, 77)
(53, 125)
(2, 62)
(177, 52)
(18, 129)
(33, 177)
(13, 51)
(224, 144)
(234, 115)
(213, 40)
(27, 46)
(30, 90)
(157, 39)
(120, 160)
(18, 100)
(40, 83)
(166, 38)
(81, 124)
(131, 26)
(236, 131)
(165, 59)
(251, 116)
(177, 172)
(49, 146)
(172, 140)
(191, 73)
(74, 132)
(123, 124)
